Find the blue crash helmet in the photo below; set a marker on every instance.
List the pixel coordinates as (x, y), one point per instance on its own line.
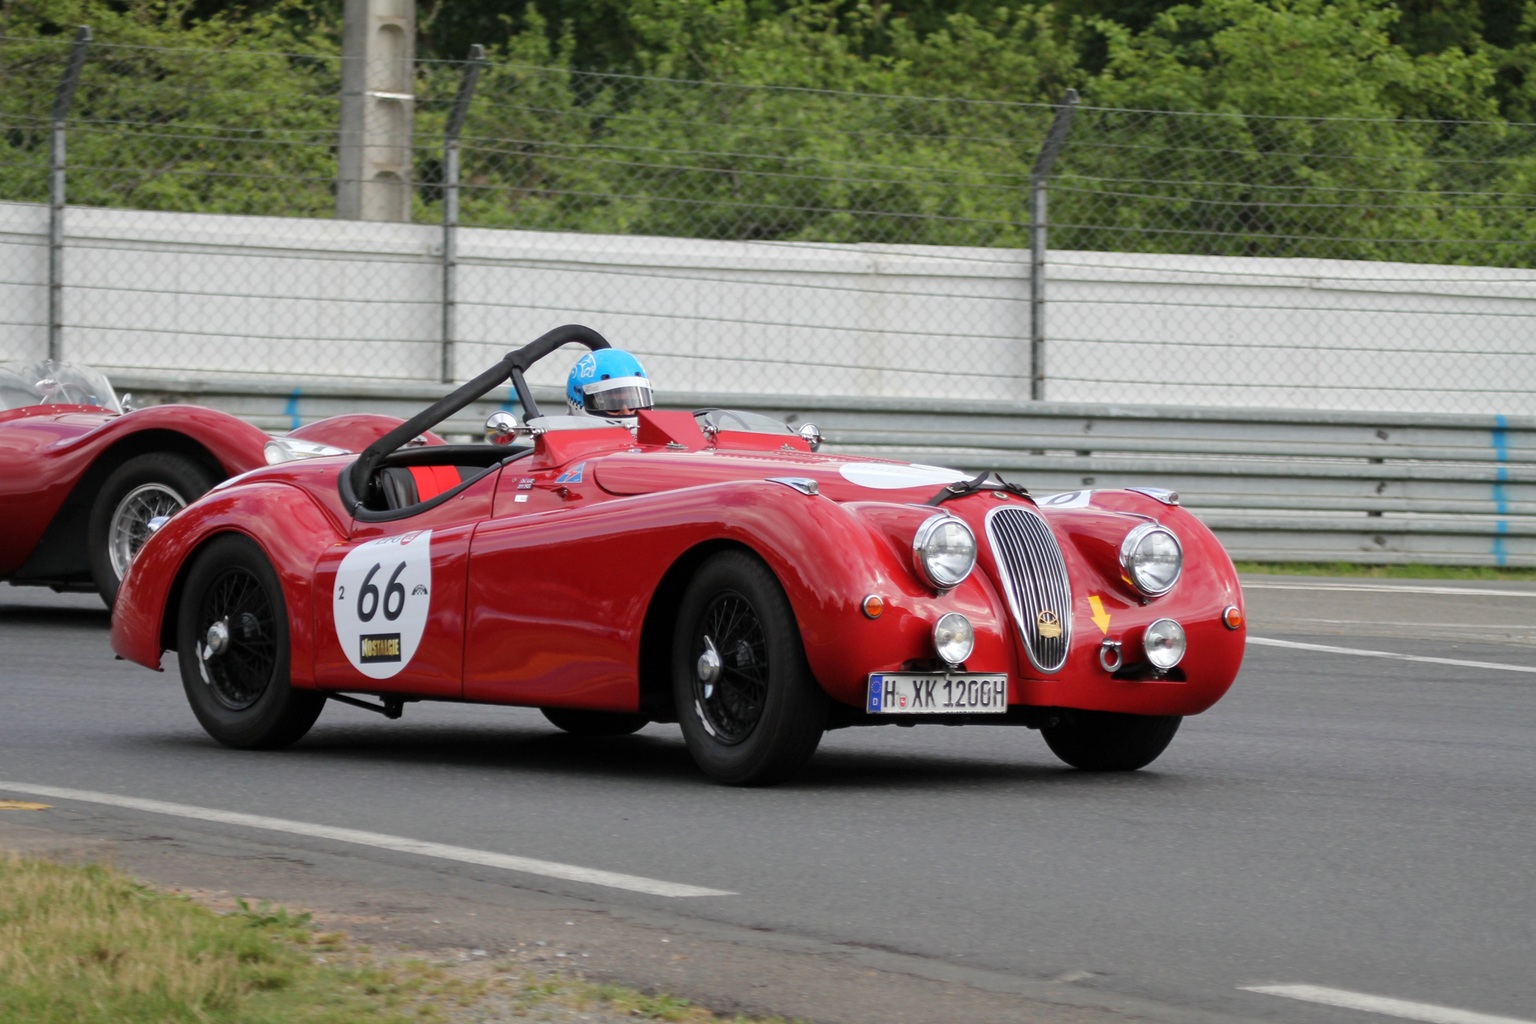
(609, 383)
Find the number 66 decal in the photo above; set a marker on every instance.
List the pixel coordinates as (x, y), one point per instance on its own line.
(383, 592)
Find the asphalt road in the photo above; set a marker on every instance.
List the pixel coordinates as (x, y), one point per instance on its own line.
(1346, 837)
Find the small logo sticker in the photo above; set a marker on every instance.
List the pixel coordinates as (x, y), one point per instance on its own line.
(1049, 624)
(379, 647)
(573, 475)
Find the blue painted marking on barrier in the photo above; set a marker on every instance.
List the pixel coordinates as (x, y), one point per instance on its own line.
(513, 403)
(293, 409)
(1500, 498)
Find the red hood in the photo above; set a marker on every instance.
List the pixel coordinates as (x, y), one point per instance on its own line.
(839, 477)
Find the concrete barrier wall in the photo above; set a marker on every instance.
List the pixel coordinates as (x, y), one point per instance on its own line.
(298, 300)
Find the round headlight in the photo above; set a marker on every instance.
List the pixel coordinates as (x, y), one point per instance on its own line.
(1152, 559)
(1164, 643)
(954, 637)
(944, 551)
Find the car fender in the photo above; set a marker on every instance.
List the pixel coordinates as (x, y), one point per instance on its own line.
(288, 525)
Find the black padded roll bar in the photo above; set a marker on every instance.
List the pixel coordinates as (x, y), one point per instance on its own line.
(518, 360)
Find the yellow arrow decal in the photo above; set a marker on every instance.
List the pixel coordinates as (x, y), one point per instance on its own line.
(1100, 616)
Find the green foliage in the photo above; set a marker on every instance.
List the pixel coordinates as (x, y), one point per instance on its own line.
(1354, 129)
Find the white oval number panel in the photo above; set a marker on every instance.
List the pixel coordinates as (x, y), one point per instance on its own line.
(383, 590)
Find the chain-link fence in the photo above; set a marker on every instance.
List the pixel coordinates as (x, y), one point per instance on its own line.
(757, 239)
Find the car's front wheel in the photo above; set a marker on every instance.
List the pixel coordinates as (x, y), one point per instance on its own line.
(1107, 741)
(146, 486)
(232, 646)
(750, 711)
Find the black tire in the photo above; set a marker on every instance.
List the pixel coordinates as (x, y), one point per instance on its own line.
(581, 722)
(238, 684)
(1105, 741)
(154, 484)
(759, 717)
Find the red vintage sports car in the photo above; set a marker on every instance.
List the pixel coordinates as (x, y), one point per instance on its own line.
(752, 589)
(81, 477)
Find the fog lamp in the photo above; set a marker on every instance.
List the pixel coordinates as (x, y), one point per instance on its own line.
(1164, 643)
(954, 638)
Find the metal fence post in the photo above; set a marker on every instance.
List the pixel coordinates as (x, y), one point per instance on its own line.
(451, 203)
(62, 100)
(1054, 139)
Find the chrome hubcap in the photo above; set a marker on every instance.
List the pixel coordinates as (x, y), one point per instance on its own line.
(709, 666)
(217, 640)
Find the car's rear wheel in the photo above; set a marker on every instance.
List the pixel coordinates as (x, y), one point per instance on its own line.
(232, 646)
(1107, 741)
(750, 711)
(581, 722)
(146, 486)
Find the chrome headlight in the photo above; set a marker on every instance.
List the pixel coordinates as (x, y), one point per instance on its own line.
(954, 638)
(1152, 559)
(288, 449)
(1164, 643)
(944, 551)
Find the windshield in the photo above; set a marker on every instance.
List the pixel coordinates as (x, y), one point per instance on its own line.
(737, 419)
(50, 383)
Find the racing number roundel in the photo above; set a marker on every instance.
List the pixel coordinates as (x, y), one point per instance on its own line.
(383, 590)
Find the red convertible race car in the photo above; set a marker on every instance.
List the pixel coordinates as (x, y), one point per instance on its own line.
(753, 589)
(80, 478)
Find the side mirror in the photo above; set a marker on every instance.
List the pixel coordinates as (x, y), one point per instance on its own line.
(502, 428)
(811, 434)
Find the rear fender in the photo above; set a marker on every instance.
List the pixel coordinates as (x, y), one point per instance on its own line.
(287, 523)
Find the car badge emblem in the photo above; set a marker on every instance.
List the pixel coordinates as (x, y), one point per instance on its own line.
(1049, 624)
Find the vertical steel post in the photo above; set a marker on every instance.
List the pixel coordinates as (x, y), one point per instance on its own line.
(451, 203)
(63, 99)
(1054, 139)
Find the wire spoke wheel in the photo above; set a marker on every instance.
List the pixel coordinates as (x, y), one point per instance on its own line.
(238, 654)
(145, 486)
(732, 702)
(129, 528)
(750, 710)
(232, 646)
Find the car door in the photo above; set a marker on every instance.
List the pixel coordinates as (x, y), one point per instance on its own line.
(390, 599)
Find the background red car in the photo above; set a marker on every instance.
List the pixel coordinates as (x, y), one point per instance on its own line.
(711, 569)
(81, 477)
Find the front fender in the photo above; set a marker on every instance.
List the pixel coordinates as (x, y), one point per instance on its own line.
(288, 524)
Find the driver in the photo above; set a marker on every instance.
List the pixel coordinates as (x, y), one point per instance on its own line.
(608, 383)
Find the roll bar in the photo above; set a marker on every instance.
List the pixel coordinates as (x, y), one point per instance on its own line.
(511, 366)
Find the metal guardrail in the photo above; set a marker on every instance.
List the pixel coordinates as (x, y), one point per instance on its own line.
(1275, 485)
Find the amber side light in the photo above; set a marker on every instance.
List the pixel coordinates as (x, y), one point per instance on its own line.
(873, 605)
(1232, 618)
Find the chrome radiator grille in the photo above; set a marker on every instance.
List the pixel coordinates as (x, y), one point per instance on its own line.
(1035, 579)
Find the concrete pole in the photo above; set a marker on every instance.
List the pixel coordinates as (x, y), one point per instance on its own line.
(378, 47)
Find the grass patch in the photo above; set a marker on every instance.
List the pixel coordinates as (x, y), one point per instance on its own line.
(87, 945)
(1389, 572)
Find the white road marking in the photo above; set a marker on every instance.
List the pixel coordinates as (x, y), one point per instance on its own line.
(1382, 1004)
(1384, 588)
(399, 844)
(1392, 655)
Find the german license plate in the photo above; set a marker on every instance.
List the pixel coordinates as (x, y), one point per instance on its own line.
(926, 693)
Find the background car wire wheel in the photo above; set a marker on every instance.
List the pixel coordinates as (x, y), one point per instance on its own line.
(750, 711)
(1108, 741)
(154, 484)
(232, 647)
(583, 722)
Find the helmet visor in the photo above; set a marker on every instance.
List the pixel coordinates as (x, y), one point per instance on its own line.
(621, 396)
